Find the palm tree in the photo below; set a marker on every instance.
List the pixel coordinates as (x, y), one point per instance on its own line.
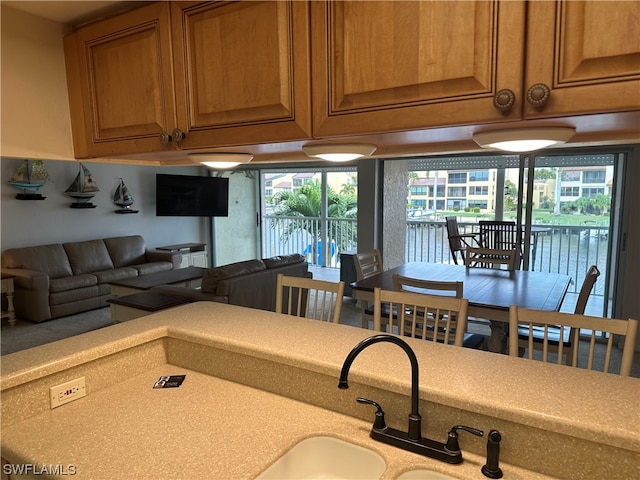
(301, 211)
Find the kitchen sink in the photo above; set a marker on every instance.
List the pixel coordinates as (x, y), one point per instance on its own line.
(326, 457)
(425, 475)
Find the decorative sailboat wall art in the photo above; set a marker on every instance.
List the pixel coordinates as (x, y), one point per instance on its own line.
(30, 177)
(123, 199)
(83, 188)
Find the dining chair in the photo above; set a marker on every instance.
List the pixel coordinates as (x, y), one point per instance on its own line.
(537, 334)
(367, 265)
(490, 258)
(459, 242)
(576, 324)
(501, 235)
(310, 298)
(429, 317)
(432, 287)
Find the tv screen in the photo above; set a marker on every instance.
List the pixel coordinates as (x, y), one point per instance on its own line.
(191, 196)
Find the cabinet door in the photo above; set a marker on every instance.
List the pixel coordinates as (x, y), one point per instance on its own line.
(587, 53)
(242, 72)
(398, 65)
(120, 83)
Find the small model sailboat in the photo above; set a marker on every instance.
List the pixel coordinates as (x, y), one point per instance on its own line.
(83, 188)
(30, 177)
(123, 199)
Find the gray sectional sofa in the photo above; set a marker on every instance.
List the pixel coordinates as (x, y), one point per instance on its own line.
(61, 279)
(251, 283)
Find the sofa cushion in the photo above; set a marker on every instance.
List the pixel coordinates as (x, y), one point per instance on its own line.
(126, 251)
(89, 256)
(50, 259)
(115, 274)
(213, 276)
(75, 295)
(72, 282)
(275, 262)
(153, 267)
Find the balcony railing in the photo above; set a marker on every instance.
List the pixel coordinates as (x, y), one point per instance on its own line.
(569, 250)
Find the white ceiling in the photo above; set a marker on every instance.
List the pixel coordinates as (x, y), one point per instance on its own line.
(70, 12)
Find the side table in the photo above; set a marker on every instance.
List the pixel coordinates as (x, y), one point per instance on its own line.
(7, 288)
(193, 254)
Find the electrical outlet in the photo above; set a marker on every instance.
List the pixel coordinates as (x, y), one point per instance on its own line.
(67, 392)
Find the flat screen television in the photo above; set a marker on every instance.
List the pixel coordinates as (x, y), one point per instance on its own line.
(191, 196)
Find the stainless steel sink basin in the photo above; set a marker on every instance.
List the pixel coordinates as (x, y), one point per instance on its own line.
(425, 475)
(326, 457)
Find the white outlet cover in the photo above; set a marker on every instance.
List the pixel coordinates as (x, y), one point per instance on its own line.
(67, 392)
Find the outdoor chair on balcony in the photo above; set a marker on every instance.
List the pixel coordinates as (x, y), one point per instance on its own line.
(534, 337)
(458, 242)
(367, 265)
(490, 258)
(553, 349)
(310, 298)
(429, 317)
(501, 235)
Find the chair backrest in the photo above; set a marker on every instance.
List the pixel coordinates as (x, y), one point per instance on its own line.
(306, 297)
(430, 287)
(430, 317)
(453, 234)
(490, 258)
(368, 264)
(530, 319)
(498, 234)
(587, 285)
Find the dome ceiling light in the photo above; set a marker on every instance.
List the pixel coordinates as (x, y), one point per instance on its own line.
(524, 139)
(221, 161)
(335, 152)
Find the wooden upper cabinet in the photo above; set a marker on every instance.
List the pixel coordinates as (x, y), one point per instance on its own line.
(587, 53)
(120, 79)
(401, 65)
(242, 72)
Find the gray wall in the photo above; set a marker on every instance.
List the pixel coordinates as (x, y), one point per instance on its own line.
(27, 223)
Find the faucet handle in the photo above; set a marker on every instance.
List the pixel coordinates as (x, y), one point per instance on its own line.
(452, 437)
(379, 423)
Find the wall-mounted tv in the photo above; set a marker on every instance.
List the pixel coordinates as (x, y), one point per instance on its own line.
(191, 196)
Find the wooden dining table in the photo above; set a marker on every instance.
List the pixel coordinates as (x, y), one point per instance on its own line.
(490, 291)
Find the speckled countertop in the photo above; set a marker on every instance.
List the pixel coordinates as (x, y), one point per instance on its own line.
(554, 420)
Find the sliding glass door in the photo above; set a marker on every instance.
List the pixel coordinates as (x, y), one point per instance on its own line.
(309, 211)
(565, 204)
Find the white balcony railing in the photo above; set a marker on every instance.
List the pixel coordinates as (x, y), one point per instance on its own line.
(569, 250)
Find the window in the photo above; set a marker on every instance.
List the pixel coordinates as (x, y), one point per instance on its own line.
(482, 204)
(592, 191)
(458, 177)
(570, 192)
(457, 191)
(479, 176)
(593, 176)
(479, 190)
(418, 190)
(570, 176)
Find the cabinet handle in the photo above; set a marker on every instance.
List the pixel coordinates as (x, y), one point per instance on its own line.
(538, 94)
(504, 100)
(164, 138)
(177, 135)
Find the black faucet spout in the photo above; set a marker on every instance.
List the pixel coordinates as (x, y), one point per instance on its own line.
(411, 440)
(415, 421)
